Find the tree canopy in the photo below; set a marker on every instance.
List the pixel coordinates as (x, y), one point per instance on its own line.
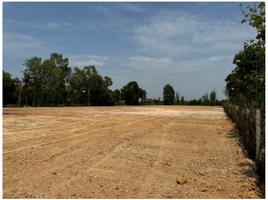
(9, 88)
(246, 83)
(168, 95)
(54, 82)
(131, 93)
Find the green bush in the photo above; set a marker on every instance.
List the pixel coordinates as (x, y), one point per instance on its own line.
(120, 103)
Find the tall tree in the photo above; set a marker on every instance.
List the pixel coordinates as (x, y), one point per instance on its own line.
(213, 96)
(116, 95)
(90, 75)
(246, 80)
(33, 75)
(132, 92)
(182, 100)
(248, 77)
(168, 95)
(62, 65)
(177, 98)
(46, 70)
(9, 88)
(55, 84)
(76, 83)
(205, 98)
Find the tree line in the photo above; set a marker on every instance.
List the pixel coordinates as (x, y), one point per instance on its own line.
(245, 85)
(172, 98)
(54, 83)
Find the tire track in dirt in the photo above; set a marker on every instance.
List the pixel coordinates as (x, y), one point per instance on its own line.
(65, 138)
(72, 152)
(55, 130)
(75, 168)
(163, 142)
(103, 160)
(117, 148)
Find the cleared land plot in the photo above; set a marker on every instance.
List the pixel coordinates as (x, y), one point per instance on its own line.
(124, 152)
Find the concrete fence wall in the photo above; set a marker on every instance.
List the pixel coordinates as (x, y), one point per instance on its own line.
(236, 109)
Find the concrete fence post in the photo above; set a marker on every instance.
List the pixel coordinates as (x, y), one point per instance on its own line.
(258, 134)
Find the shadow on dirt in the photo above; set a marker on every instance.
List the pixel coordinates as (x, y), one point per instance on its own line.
(8, 113)
(249, 166)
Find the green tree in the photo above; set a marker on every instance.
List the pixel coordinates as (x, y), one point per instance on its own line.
(246, 83)
(76, 83)
(256, 19)
(199, 101)
(54, 81)
(9, 88)
(90, 74)
(132, 92)
(100, 92)
(55, 84)
(250, 63)
(26, 84)
(45, 71)
(168, 95)
(213, 96)
(62, 64)
(193, 102)
(116, 95)
(32, 76)
(177, 98)
(205, 98)
(182, 100)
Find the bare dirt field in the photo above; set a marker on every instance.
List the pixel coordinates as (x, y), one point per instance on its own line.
(124, 152)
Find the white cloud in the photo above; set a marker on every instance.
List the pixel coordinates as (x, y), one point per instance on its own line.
(19, 47)
(103, 9)
(11, 37)
(86, 60)
(129, 6)
(86, 63)
(212, 63)
(57, 25)
(141, 62)
(42, 25)
(23, 45)
(109, 23)
(180, 33)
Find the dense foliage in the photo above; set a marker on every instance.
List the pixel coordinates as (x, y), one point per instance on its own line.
(52, 82)
(132, 92)
(245, 87)
(168, 95)
(246, 84)
(9, 89)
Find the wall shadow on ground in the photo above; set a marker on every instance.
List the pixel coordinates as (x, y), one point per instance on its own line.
(249, 166)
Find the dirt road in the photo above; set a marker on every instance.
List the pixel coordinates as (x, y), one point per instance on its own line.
(124, 152)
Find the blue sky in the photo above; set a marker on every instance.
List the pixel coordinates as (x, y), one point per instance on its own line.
(188, 45)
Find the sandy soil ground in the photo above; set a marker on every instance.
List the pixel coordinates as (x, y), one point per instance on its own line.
(124, 152)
